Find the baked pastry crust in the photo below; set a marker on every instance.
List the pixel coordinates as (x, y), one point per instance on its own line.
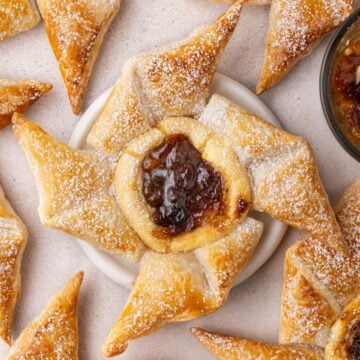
(319, 281)
(282, 169)
(220, 155)
(76, 30)
(17, 16)
(295, 29)
(17, 96)
(75, 191)
(170, 81)
(54, 333)
(13, 238)
(181, 286)
(343, 332)
(233, 348)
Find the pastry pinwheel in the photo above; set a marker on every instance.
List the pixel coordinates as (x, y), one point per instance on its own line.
(172, 182)
(54, 333)
(17, 96)
(17, 16)
(76, 30)
(320, 317)
(13, 238)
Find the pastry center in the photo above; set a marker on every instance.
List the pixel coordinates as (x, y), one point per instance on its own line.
(183, 189)
(354, 349)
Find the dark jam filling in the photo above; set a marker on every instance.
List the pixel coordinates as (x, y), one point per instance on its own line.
(354, 349)
(347, 88)
(183, 189)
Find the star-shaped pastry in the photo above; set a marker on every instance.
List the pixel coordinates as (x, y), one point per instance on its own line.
(54, 333)
(13, 238)
(17, 16)
(155, 112)
(76, 30)
(17, 96)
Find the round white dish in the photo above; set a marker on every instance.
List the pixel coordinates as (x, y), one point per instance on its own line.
(120, 270)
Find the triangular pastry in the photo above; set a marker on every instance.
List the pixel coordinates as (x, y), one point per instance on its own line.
(17, 16)
(282, 169)
(170, 81)
(295, 28)
(178, 287)
(13, 238)
(54, 333)
(319, 281)
(17, 96)
(76, 30)
(74, 188)
(233, 348)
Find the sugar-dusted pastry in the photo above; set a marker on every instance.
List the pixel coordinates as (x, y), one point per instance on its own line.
(319, 281)
(232, 348)
(13, 238)
(344, 343)
(17, 16)
(295, 28)
(54, 333)
(182, 286)
(281, 166)
(17, 96)
(75, 194)
(170, 81)
(76, 30)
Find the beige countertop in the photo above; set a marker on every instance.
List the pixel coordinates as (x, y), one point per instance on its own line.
(52, 257)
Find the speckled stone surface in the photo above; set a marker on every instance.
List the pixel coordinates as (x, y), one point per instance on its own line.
(52, 257)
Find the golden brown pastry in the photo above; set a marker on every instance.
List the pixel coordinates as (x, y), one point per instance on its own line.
(74, 188)
(170, 81)
(54, 333)
(76, 30)
(13, 238)
(295, 28)
(283, 173)
(319, 281)
(344, 343)
(182, 286)
(233, 348)
(17, 16)
(17, 96)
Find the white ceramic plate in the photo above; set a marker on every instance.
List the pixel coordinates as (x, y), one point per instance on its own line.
(124, 273)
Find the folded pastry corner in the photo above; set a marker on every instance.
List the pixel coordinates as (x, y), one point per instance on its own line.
(282, 169)
(13, 238)
(76, 30)
(17, 96)
(74, 191)
(181, 286)
(17, 16)
(170, 81)
(319, 281)
(230, 347)
(295, 29)
(54, 333)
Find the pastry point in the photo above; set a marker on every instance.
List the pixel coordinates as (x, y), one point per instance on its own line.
(170, 81)
(54, 333)
(76, 31)
(18, 96)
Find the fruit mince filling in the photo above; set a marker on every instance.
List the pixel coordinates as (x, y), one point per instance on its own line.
(182, 188)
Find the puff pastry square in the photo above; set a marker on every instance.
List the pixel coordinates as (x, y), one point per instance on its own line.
(54, 333)
(233, 348)
(13, 238)
(17, 16)
(76, 30)
(295, 28)
(17, 96)
(170, 81)
(319, 281)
